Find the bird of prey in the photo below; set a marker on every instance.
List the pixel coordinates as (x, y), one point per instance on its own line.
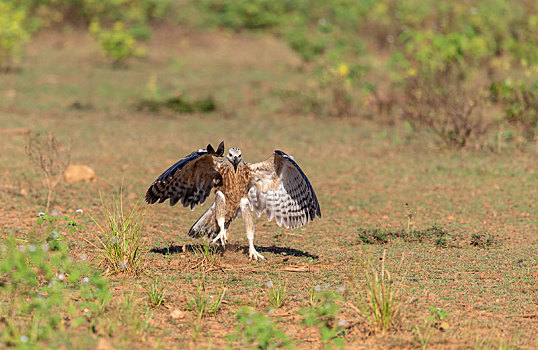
(276, 187)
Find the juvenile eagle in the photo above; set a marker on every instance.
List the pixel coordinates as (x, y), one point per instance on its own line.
(276, 187)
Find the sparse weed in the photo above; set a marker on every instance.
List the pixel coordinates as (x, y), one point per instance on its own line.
(373, 236)
(208, 254)
(276, 293)
(434, 234)
(409, 216)
(258, 332)
(436, 320)
(437, 317)
(120, 238)
(423, 334)
(377, 297)
(204, 304)
(482, 240)
(323, 313)
(129, 317)
(155, 293)
(49, 156)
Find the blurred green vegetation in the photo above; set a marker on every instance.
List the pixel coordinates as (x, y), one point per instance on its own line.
(389, 57)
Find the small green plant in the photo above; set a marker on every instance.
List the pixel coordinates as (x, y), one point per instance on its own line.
(436, 320)
(202, 303)
(258, 332)
(120, 236)
(51, 227)
(437, 317)
(482, 240)
(49, 156)
(323, 313)
(377, 297)
(155, 293)
(276, 293)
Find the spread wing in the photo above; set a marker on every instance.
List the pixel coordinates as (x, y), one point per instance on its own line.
(189, 180)
(281, 190)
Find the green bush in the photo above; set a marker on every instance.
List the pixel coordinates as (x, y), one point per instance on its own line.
(246, 14)
(117, 44)
(13, 35)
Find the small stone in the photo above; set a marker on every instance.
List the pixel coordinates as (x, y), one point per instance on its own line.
(76, 173)
(104, 344)
(177, 314)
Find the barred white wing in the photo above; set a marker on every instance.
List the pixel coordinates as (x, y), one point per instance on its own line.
(280, 190)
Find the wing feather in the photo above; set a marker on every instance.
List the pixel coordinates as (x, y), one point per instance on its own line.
(188, 181)
(280, 190)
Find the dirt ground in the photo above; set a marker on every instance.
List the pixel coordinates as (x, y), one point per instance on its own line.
(363, 172)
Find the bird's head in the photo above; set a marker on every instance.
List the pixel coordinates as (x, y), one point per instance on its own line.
(234, 156)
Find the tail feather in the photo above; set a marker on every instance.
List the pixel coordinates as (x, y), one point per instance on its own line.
(206, 225)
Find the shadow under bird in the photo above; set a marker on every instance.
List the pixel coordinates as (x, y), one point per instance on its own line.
(276, 187)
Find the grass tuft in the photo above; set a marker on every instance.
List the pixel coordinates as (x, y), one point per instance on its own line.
(204, 304)
(120, 238)
(156, 293)
(377, 296)
(276, 293)
(207, 253)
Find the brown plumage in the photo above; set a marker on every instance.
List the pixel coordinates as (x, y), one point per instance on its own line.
(276, 187)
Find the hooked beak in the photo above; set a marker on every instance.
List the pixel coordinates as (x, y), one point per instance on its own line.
(236, 162)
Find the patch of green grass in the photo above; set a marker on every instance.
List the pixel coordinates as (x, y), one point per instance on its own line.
(483, 240)
(434, 234)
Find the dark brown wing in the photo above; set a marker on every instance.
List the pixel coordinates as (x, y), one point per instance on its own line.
(190, 180)
(281, 190)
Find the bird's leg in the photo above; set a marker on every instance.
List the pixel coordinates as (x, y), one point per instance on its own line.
(249, 226)
(220, 214)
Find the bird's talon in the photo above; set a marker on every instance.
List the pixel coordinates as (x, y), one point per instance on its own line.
(223, 237)
(254, 254)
